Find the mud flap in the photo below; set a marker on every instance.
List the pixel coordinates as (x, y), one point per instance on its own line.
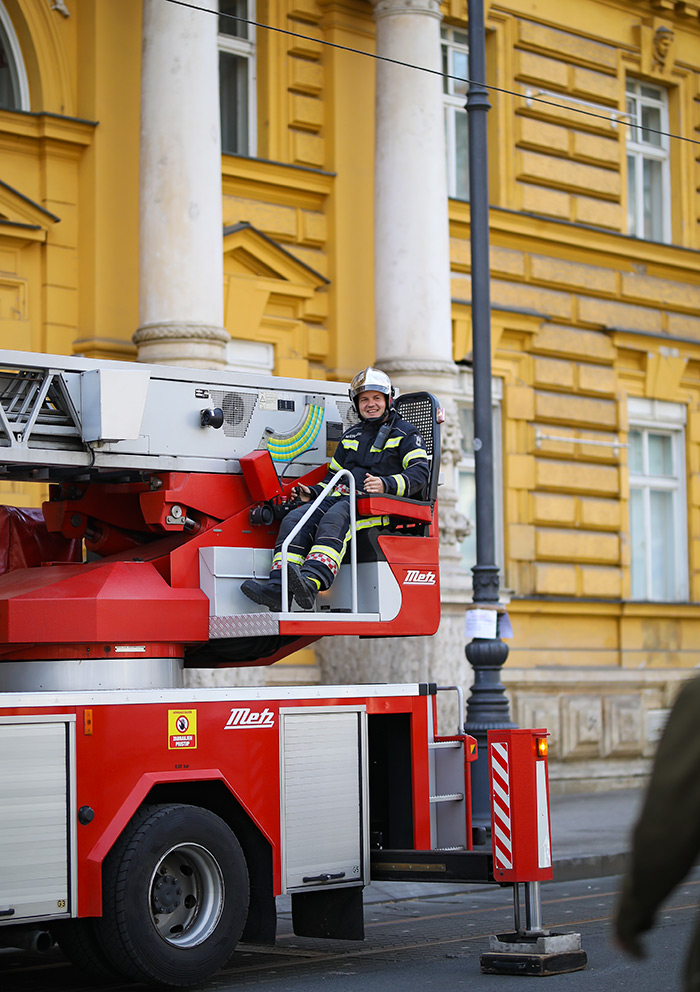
(331, 913)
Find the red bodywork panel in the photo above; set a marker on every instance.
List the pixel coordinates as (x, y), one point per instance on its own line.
(124, 749)
(103, 602)
(260, 475)
(519, 784)
(145, 585)
(413, 562)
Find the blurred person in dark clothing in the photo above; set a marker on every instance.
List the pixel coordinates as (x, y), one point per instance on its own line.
(666, 839)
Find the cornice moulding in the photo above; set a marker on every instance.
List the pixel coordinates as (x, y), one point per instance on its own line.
(579, 238)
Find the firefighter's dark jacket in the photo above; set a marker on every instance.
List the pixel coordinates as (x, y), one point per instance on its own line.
(666, 840)
(394, 451)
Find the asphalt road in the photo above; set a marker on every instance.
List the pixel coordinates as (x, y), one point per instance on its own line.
(431, 942)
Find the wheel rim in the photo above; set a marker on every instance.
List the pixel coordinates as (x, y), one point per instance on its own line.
(186, 895)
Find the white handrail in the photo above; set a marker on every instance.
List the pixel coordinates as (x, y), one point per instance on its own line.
(324, 494)
(460, 702)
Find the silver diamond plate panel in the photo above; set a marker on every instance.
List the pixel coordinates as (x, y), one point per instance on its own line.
(245, 625)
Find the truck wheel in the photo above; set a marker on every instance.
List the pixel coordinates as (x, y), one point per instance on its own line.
(175, 896)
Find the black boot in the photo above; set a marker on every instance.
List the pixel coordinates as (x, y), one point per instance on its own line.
(304, 590)
(264, 593)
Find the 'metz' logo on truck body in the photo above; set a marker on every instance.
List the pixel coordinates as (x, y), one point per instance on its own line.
(419, 577)
(243, 718)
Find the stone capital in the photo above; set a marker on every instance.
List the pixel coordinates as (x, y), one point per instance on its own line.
(385, 8)
(180, 330)
(182, 343)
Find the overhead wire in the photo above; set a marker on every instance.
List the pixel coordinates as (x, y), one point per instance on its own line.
(532, 98)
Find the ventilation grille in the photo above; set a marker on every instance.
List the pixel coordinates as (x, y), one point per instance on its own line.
(238, 409)
(347, 411)
(418, 412)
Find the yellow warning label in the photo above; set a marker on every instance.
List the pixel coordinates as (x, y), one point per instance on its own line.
(182, 729)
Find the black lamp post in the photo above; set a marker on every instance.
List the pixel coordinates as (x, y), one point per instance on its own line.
(487, 707)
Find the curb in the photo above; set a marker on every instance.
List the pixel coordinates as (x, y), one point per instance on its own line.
(589, 866)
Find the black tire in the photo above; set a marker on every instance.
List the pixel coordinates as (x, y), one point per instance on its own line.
(175, 896)
(78, 941)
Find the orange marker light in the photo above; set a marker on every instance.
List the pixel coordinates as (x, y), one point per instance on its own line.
(87, 722)
(541, 747)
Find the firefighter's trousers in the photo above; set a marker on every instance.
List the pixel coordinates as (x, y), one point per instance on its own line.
(319, 546)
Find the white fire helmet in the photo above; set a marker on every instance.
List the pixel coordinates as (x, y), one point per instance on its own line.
(371, 379)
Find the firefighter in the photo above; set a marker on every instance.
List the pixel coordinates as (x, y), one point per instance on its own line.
(385, 455)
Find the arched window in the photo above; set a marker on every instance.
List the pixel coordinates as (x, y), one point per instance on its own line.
(14, 88)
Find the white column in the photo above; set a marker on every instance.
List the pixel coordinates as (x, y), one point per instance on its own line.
(181, 227)
(412, 264)
(413, 323)
(411, 247)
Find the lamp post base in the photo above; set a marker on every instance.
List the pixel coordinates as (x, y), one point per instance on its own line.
(487, 709)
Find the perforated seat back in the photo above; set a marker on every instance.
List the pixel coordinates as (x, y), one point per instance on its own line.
(420, 409)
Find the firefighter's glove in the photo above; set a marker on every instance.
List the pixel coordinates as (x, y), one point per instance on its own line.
(301, 493)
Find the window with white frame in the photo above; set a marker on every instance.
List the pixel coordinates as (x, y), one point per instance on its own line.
(455, 67)
(14, 88)
(465, 481)
(648, 168)
(658, 529)
(237, 76)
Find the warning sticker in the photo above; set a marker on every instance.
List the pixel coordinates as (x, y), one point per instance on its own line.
(267, 400)
(182, 729)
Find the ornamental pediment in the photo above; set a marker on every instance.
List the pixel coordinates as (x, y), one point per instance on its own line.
(250, 252)
(19, 215)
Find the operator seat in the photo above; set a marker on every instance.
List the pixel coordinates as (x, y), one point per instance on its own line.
(407, 516)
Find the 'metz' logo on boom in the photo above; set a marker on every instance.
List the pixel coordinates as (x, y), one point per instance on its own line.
(243, 718)
(416, 577)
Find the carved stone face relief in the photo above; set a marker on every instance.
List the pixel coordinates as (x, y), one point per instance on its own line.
(663, 40)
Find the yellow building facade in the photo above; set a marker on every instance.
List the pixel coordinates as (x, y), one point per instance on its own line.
(595, 259)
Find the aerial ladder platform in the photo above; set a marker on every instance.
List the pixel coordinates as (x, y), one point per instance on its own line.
(171, 484)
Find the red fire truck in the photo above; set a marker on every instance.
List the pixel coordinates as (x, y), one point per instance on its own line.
(148, 827)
